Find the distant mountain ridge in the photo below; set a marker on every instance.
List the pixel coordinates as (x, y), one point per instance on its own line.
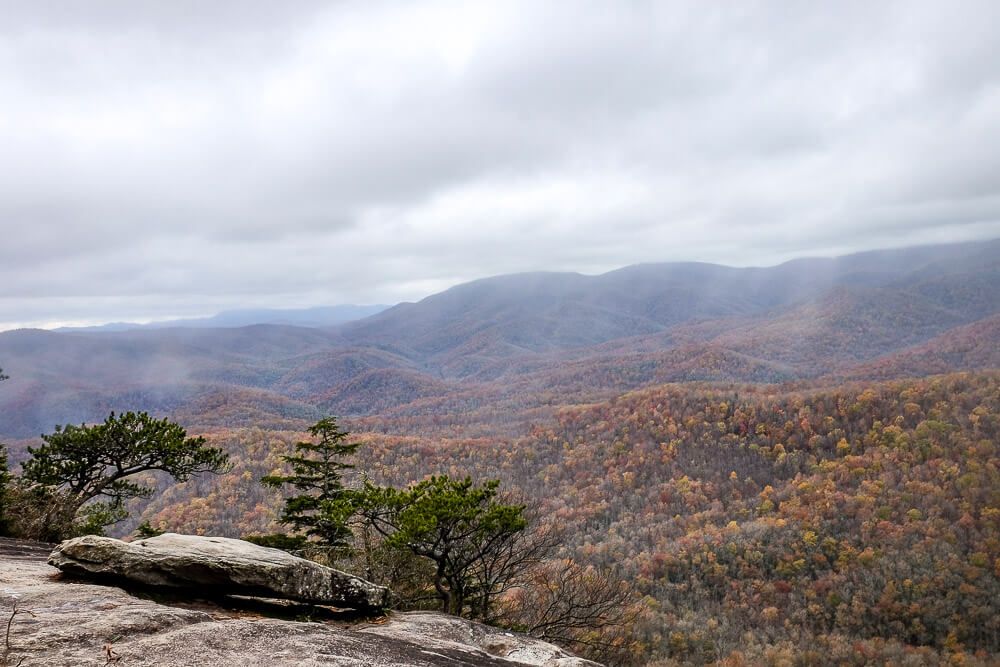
(530, 313)
(319, 316)
(521, 342)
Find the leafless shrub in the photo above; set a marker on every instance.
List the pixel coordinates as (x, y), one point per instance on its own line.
(588, 610)
(16, 609)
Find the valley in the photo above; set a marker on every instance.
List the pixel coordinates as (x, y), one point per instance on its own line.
(787, 461)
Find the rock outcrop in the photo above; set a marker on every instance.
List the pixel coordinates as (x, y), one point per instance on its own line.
(68, 624)
(216, 566)
(450, 633)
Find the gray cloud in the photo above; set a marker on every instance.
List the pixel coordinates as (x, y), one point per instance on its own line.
(171, 159)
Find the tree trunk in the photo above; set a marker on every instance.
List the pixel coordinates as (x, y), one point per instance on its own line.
(443, 592)
(458, 599)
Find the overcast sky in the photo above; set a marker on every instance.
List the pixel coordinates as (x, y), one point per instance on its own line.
(174, 158)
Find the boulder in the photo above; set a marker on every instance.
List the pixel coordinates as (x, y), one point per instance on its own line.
(216, 566)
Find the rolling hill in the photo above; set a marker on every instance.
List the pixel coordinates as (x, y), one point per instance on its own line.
(528, 341)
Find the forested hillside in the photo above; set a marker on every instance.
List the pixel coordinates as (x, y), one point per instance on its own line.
(860, 522)
(799, 463)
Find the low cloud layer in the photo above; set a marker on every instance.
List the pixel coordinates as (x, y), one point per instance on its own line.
(171, 159)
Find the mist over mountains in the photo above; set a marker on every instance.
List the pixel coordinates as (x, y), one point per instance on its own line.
(738, 443)
(875, 314)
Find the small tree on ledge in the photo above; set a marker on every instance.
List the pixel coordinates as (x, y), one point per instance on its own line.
(462, 528)
(78, 464)
(324, 506)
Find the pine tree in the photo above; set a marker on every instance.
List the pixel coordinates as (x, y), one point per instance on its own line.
(83, 464)
(324, 506)
(462, 527)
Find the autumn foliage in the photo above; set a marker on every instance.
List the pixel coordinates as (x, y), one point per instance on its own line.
(861, 521)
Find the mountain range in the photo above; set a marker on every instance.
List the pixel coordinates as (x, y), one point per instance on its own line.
(319, 316)
(515, 343)
(788, 463)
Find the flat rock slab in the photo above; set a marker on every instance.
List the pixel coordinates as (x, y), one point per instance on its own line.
(444, 633)
(70, 624)
(216, 566)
